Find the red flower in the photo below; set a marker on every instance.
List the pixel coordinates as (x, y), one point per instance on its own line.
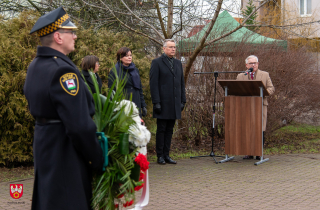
(137, 188)
(142, 161)
(120, 196)
(125, 204)
(141, 176)
(116, 206)
(128, 203)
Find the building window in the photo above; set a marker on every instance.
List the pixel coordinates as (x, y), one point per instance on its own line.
(305, 7)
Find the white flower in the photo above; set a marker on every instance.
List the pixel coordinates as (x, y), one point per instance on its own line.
(146, 133)
(128, 106)
(137, 119)
(139, 135)
(136, 135)
(142, 150)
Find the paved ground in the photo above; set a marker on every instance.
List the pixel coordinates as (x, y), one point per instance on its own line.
(285, 182)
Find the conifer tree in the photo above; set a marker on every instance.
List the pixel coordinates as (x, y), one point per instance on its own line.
(252, 20)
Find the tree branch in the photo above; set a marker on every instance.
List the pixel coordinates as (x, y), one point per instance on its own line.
(203, 44)
(202, 41)
(180, 28)
(141, 19)
(161, 21)
(170, 18)
(37, 8)
(123, 24)
(237, 28)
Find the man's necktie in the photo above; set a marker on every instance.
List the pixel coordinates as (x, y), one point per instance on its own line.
(251, 76)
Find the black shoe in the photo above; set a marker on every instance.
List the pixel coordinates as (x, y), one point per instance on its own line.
(169, 160)
(161, 161)
(248, 157)
(258, 157)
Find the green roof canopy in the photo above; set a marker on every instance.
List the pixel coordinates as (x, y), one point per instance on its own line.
(225, 23)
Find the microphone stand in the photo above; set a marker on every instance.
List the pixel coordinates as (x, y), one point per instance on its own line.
(216, 74)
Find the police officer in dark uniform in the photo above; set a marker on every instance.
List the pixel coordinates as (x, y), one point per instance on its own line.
(65, 146)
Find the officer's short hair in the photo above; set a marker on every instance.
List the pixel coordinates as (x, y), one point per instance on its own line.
(89, 62)
(47, 40)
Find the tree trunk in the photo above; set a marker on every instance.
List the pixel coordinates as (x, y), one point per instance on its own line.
(170, 18)
(202, 43)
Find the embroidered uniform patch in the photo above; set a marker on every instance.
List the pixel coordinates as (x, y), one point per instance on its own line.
(70, 83)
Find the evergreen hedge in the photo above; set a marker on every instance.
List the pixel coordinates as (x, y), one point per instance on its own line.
(18, 49)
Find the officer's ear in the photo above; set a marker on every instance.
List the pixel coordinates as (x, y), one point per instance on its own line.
(57, 38)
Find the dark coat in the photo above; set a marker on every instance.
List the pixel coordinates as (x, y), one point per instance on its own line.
(167, 87)
(89, 81)
(129, 89)
(65, 152)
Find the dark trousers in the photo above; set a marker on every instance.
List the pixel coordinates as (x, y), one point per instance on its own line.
(163, 136)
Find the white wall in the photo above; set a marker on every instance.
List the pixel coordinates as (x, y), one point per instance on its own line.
(292, 7)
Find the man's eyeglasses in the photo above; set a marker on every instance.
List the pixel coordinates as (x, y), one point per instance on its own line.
(72, 32)
(255, 63)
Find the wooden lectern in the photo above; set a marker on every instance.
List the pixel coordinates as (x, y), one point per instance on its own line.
(243, 109)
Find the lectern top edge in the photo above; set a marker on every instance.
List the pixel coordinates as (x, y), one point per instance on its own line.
(244, 88)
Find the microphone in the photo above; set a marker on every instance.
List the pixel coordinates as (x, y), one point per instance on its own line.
(248, 71)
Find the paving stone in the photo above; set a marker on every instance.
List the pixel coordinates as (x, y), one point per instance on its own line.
(284, 182)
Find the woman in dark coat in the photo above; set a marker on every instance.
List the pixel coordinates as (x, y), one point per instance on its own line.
(133, 86)
(91, 62)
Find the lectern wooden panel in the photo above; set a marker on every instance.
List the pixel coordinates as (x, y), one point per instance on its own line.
(243, 125)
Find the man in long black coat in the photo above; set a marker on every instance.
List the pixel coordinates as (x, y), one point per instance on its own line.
(65, 146)
(168, 98)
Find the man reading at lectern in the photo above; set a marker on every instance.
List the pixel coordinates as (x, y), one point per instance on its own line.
(254, 73)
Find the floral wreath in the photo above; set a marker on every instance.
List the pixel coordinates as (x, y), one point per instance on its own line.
(124, 174)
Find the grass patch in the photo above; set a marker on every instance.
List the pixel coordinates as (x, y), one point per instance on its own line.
(300, 128)
(178, 155)
(292, 139)
(11, 174)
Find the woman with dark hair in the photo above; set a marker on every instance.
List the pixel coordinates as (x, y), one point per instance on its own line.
(126, 68)
(91, 62)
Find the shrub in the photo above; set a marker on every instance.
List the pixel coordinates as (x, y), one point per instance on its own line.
(17, 50)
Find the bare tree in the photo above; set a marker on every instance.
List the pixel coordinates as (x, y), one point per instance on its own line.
(162, 19)
(10, 8)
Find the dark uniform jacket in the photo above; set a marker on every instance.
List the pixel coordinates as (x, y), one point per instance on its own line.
(129, 89)
(167, 87)
(67, 151)
(89, 81)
